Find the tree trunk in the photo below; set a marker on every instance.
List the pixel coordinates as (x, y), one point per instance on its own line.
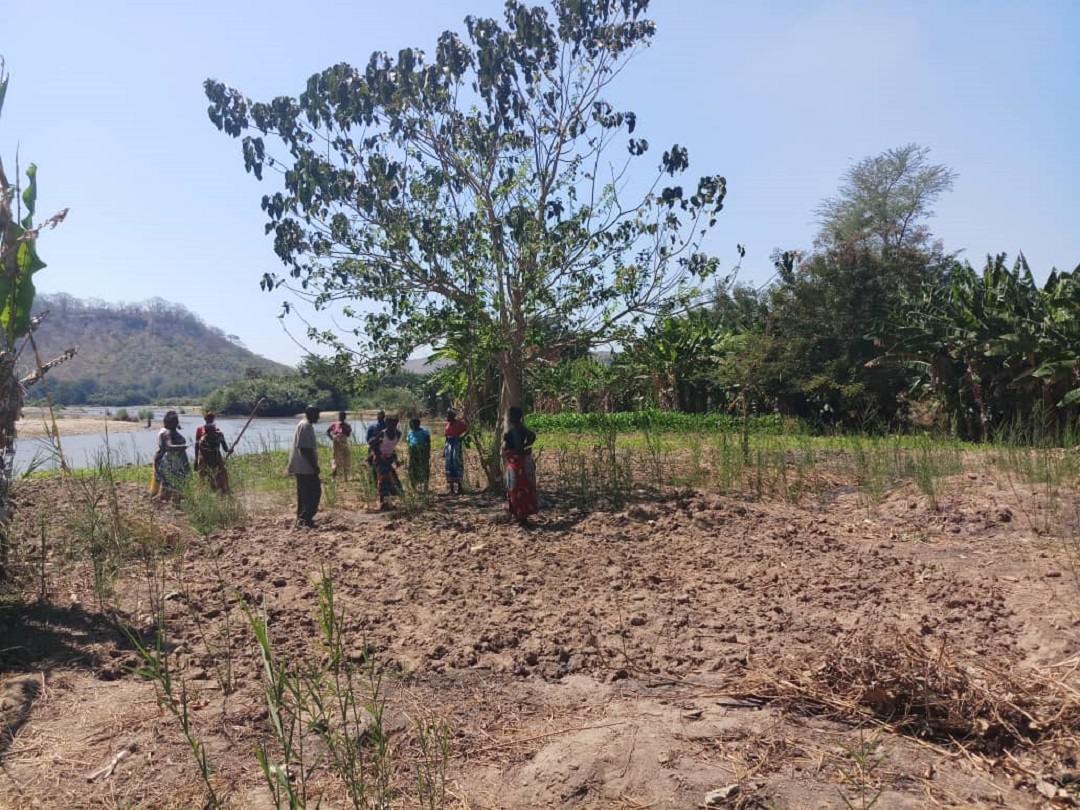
(487, 449)
(510, 394)
(510, 364)
(11, 399)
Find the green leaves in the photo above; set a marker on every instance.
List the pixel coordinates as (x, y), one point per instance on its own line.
(885, 199)
(20, 258)
(29, 196)
(997, 346)
(464, 188)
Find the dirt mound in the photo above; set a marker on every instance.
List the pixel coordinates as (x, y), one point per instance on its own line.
(811, 654)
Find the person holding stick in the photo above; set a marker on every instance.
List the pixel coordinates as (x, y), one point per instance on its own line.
(243, 430)
(211, 449)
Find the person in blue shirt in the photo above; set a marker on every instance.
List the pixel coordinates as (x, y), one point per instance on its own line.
(376, 427)
(419, 440)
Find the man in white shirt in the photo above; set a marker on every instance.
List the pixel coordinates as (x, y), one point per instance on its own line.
(304, 464)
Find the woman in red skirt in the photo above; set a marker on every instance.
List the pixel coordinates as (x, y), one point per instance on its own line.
(520, 468)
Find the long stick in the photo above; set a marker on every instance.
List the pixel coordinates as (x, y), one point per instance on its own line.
(248, 422)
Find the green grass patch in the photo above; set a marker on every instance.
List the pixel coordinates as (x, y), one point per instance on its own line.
(665, 422)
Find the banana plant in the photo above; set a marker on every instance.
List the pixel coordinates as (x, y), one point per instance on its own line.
(674, 363)
(19, 262)
(995, 346)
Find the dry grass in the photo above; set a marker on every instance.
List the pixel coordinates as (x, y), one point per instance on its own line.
(894, 678)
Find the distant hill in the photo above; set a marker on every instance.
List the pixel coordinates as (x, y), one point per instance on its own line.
(423, 365)
(132, 354)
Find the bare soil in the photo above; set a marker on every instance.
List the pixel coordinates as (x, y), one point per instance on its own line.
(824, 654)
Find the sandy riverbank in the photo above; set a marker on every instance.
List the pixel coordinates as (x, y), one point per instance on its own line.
(36, 422)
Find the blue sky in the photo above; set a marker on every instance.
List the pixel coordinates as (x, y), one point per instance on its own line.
(780, 97)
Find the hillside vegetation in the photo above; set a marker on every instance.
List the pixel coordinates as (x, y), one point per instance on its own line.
(137, 353)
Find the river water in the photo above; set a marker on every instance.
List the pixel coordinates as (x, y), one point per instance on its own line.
(138, 446)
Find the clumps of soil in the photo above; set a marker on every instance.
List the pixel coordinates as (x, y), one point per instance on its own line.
(650, 655)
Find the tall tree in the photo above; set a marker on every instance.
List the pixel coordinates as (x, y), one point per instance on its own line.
(873, 251)
(885, 200)
(481, 185)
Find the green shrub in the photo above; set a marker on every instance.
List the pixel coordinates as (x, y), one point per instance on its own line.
(284, 396)
(400, 400)
(664, 422)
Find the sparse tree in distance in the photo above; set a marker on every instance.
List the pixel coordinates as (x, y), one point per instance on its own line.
(885, 200)
(874, 250)
(487, 183)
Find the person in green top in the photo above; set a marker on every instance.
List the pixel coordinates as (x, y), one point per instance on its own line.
(419, 440)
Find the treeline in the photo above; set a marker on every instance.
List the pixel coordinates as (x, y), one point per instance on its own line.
(842, 340)
(853, 336)
(875, 328)
(316, 382)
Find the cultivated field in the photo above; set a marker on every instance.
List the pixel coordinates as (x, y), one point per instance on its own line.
(798, 623)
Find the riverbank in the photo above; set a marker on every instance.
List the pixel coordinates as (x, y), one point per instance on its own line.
(37, 423)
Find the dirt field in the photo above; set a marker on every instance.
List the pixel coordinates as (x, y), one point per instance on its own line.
(691, 650)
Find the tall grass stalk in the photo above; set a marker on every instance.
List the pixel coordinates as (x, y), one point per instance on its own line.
(287, 786)
(655, 448)
(347, 704)
(870, 469)
(340, 700)
(173, 694)
(605, 468)
(220, 647)
(99, 529)
(207, 511)
(430, 769)
(727, 462)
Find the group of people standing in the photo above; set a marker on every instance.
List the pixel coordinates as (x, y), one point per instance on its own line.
(383, 438)
(171, 466)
